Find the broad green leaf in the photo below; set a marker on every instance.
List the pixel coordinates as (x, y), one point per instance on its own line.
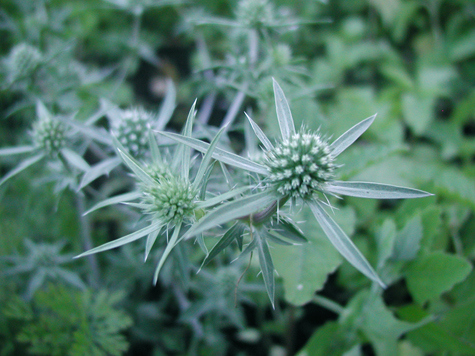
(136, 168)
(456, 184)
(435, 336)
(207, 159)
(21, 167)
(408, 240)
(232, 210)
(123, 240)
(222, 197)
(431, 275)
(385, 240)
(219, 154)
(260, 134)
(267, 266)
(418, 111)
(98, 170)
(75, 160)
(350, 136)
(329, 339)
(232, 234)
(168, 106)
(8, 151)
(374, 190)
(343, 243)
(284, 116)
(171, 244)
(115, 200)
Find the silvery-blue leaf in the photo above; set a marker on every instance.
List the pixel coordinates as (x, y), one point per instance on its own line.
(222, 197)
(123, 240)
(375, 190)
(136, 167)
(8, 151)
(219, 154)
(267, 266)
(75, 160)
(260, 134)
(115, 200)
(232, 210)
(183, 153)
(171, 244)
(350, 136)
(342, 242)
(284, 116)
(150, 241)
(168, 106)
(21, 167)
(98, 170)
(154, 150)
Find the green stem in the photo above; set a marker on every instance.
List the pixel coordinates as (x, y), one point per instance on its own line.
(267, 213)
(328, 304)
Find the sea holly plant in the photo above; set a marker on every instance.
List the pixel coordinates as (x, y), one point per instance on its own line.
(166, 194)
(300, 168)
(50, 140)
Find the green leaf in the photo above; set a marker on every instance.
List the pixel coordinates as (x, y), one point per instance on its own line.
(267, 266)
(150, 241)
(21, 167)
(435, 273)
(183, 153)
(284, 116)
(350, 136)
(408, 240)
(136, 168)
(288, 230)
(219, 154)
(115, 200)
(417, 112)
(260, 134)
(123, 240)
(8, 151)
(154, 150)
(342, 242)
(98, 170)
(232, 234)
(170, 245)
(232, 210)
(374, 190)
(330, 339)
(75, 160)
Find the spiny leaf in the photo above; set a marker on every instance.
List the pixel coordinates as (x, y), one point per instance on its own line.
(98, 170)
(375, 190)
(260, 134)
(21, 167)
(350, 136)
(115, 200)
(267, 266)
(171, 244)
(284, 116)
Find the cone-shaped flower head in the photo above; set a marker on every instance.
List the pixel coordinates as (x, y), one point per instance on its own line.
(131, 129)
(49, 135)
(301, 165)
(23, 60)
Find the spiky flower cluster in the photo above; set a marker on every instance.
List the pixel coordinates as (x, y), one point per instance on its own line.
(255, 13)
(170, 199)
(131, 129)
(23, 60)
(49, 135)
(301, 165)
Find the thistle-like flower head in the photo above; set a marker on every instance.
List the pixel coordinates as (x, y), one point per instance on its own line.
(300, 165)
(49, 135)
(23, 60)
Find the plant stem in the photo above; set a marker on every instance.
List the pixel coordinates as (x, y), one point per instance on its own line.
(85, 231)
(328, 304)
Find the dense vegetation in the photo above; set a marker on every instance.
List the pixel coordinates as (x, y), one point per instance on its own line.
(103, 148)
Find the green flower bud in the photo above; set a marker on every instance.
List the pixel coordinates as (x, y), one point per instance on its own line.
(300, 166)
(49, 135)
(131, 129)
(23, 60)
(171, 199)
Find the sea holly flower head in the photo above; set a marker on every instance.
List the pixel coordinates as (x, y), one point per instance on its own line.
(49, 135)
(301, 166)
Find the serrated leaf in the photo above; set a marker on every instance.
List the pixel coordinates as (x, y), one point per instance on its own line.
(222, 197)
(435, 273)
(98, 170)
(375, 190)
(284, 116)
(260, 134)
(21, 167)
(115, 200)
(233, 210)
(123, 240)
(267, 266)
(8, 151)
(343, 243)
(75, 160)
(219, 154)
(233, 233)
(350, 136)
